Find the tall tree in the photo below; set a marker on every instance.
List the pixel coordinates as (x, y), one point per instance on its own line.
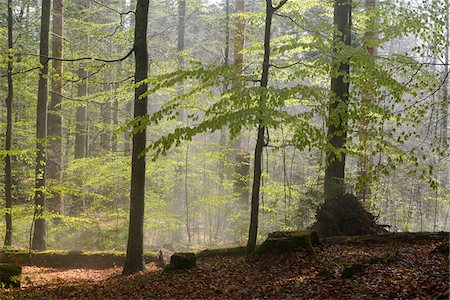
(444, 107)
(337, 121)
(38, 242)
(135, 248)
(54, 129)
(8, 138)
(253, 230)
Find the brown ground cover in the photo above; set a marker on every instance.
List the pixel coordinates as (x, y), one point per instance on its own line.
(407, 270)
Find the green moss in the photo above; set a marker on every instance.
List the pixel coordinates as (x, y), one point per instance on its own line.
(222, 252)
(287, 242)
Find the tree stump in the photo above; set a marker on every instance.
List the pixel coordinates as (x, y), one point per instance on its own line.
(182, 261)
(10, 275)
(344, 216)
(289, 241)
(164, 257)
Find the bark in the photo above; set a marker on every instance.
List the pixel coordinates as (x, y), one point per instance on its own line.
(253, 230)
(365, 161)
(337, 121)
(54, 118)
(135, 248)
(8, 138)
(38, 242)
(81, 118)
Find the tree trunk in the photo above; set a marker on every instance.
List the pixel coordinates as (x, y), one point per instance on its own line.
(135, 249)
(54, 129)
(9, 100)
(444, 108)
(106, 135)
(38, 242)
(81, 122)
(253, 230)
(365, 161)
(337, 121)
(238, 55)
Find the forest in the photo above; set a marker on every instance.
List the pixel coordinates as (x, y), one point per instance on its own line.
(224, 149)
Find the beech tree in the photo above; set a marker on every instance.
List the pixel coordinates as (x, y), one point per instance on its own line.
(54, 128)
(8, 137)
(38, 242)
(135, 248)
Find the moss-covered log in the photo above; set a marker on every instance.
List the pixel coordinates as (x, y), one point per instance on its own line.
(69, 259)
(289, 241)
(10, 275)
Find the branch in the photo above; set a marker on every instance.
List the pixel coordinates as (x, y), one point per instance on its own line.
(283, 2)
(81, 58)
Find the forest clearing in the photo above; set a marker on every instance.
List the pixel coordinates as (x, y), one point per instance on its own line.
(305, 143)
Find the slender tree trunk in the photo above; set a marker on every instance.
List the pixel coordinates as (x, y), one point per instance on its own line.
(337, 121)
(135, 248)
(129, 104)
(240, 182)
(38, 242)
(81, 118)
(253, 230)
(106, 135)
(444, 107)
(8, 138)
(115, 119)
(365, 161)
(54, 129)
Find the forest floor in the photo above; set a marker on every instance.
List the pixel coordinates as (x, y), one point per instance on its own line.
(406, 270)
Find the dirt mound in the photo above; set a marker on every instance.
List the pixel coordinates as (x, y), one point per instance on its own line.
(344, 215)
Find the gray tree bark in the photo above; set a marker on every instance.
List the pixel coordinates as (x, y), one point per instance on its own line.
(54, 118)
(337, 121)
(134, 261)
(38, 242)
(8, 137)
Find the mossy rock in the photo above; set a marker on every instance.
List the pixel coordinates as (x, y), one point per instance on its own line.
(10, 275)
(289, 241)
(182, 261)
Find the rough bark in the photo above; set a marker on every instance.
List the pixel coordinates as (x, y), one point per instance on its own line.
(81, 118)
(38, 242)
(8, 137)
(337, 121)
(54, 118)
(135, 247)
(253, 229)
